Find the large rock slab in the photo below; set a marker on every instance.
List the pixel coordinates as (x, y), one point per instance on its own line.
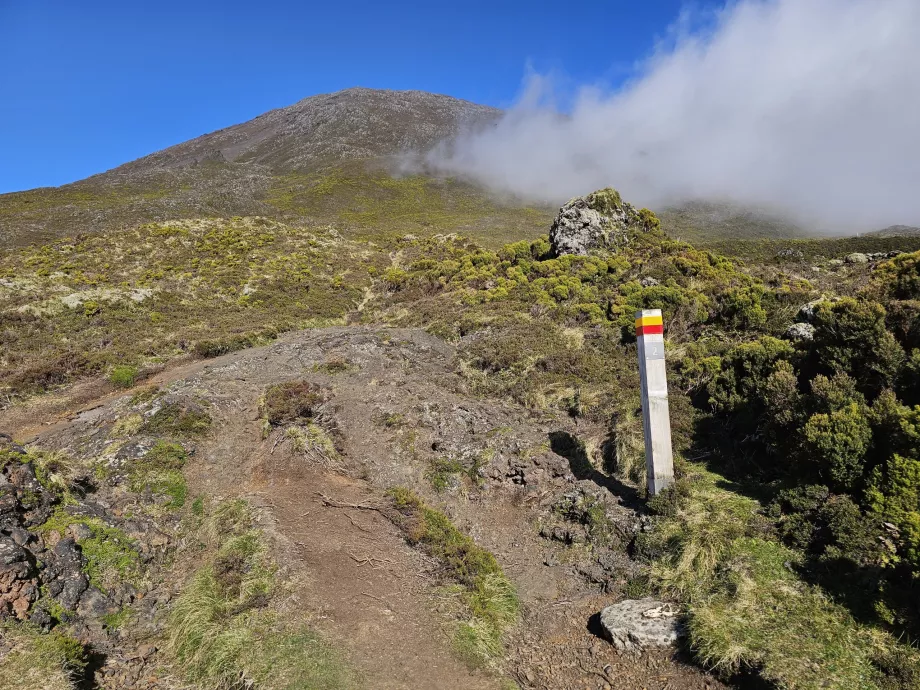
(600, 221)
(633, 625)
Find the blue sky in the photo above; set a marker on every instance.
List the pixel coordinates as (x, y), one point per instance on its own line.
(89, 85)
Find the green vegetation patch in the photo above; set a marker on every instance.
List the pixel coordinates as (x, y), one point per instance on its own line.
(371, 204)
(748, 607)
(178, 419)
(87, 305)
(160, 472)
(489, 599)
(223, 629)
(39, 660)
(443, 473)
(111, 556)
(123, 376)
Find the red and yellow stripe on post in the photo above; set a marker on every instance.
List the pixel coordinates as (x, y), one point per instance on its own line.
(649, 325)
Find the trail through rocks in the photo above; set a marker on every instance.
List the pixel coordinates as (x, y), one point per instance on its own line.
(400, 416)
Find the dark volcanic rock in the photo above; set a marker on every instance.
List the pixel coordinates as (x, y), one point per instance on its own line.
(18, 584)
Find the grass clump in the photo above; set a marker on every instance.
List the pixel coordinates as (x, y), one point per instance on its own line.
(442, 473)
(54, 470)
(113, 621)
(160, 472)
(289, 402)
(127, 426)
(176, 419)
(40, 661)
(313, 441)
(223, 629)
(334, 366)
(145, 394)
(748, 607)
(489, 600)
(111, 556)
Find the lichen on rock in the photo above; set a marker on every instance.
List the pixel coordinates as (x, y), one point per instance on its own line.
(634, 625)
(599, 221)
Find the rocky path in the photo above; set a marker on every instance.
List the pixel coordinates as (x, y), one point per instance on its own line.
(399, 415)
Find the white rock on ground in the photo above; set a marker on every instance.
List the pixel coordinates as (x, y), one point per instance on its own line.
(636, 624)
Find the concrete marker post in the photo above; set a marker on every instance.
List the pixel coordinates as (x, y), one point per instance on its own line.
(659, 459)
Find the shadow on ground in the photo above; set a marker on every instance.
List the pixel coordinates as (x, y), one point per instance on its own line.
(571, 448)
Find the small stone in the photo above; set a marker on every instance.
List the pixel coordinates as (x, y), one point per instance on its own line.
(79, 531)
(145, 651)
(637, 624)
(8, 445)
(94, 604)
(20, 536)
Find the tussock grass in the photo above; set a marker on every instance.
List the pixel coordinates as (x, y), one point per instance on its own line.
(40, 661)
(747, 606)
(226, 630)
(176, 419)
(488, 600)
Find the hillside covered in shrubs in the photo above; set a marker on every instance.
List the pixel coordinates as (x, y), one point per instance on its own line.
(792, 536)
(793, 530)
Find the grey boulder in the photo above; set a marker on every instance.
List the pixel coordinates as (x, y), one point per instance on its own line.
(633, 625)
(600, 221)
(800, 332)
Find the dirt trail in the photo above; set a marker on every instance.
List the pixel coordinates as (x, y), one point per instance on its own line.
(397, 408)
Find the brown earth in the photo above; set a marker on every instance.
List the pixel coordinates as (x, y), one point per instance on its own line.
(396, 408)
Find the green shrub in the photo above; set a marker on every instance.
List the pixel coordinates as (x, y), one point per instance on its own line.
(900, 277)
(838, 442)
(605, 201)
(850, 337)
(894, 494)
(744, 373)
(123, 376)
(742, 307)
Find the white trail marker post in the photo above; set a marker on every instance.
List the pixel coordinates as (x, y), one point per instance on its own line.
(659, 459)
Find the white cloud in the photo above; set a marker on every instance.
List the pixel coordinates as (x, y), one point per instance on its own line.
(811, 107)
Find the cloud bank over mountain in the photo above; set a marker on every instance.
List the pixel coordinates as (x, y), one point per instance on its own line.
(810, 107)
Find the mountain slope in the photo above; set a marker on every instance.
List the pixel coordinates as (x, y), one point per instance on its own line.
(327, 159)
(352, 124)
